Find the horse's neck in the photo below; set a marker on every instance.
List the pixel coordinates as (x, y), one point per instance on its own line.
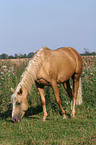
(28, 78)
(30, 75)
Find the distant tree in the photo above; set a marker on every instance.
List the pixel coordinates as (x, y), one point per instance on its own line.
(86, 51)
(16, 55)
(93, 53)
(30, 54)
(20, 55)
(4, 56)
(24, 56)
(11, 57)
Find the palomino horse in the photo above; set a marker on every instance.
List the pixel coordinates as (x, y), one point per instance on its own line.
(49, 67)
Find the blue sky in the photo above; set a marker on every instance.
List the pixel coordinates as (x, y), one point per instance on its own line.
(28, 25)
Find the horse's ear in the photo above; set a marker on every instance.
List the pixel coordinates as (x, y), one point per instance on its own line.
(12, 90)
(20, 91)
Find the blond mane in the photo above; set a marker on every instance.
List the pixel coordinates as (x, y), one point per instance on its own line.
(30, 75)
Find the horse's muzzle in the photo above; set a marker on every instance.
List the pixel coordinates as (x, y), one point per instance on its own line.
(16, 120)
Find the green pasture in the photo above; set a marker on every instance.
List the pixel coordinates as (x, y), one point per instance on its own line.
(54, 131)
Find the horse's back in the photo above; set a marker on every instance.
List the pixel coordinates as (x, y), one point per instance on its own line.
(59, 56)
(68, 52)
(59, 64)
(73, 54)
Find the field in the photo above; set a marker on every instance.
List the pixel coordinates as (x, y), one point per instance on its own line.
(55, 130)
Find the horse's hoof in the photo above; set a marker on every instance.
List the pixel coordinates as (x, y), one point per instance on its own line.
(44, 118)
(64, 116)
(72, 116)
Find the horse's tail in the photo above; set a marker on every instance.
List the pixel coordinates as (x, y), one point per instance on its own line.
(79, 94)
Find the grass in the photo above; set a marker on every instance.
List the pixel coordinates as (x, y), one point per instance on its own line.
(55, 130)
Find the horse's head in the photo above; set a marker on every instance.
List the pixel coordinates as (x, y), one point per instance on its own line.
(20, 103)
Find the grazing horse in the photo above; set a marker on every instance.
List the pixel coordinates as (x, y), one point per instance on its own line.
(49, 67)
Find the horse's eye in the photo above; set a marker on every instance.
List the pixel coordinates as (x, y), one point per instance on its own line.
(18, 103)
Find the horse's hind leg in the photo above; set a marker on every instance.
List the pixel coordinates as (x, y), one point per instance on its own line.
(76, 86)
(69, 91)
(42, 94)
(56, 92)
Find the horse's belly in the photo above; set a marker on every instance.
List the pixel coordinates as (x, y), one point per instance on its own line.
(64, 76)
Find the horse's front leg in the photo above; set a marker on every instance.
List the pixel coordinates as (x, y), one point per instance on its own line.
(56, 92)
(42, 94)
